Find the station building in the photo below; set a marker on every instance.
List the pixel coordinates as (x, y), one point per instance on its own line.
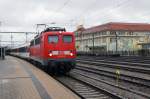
(113, 36)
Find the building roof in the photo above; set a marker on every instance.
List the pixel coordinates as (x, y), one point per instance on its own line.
(117, 26)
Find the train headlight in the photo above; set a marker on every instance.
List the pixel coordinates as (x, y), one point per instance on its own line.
(50, 54)
(71, 54)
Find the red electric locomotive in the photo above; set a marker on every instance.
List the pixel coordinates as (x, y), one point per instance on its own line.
(54, 49)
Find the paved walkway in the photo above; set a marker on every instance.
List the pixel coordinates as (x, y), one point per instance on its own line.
(21, 80)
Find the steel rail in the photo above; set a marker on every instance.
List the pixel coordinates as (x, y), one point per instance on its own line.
(119, 66)
(112, 88)
(85, 90)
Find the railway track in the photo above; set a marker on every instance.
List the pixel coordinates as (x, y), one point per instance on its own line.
(133, 82)
(135, 68)
(129, 62)
(121, 91)
(112, 73)
(130, 59)
(85, 90)
(93, 80)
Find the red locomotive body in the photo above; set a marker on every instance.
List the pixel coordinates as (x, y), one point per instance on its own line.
(54, 49)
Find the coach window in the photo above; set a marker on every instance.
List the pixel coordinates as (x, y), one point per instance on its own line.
(52, 38)
(67, 38)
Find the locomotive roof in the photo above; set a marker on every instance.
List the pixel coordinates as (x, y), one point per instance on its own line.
(52, 29)
(49, 29)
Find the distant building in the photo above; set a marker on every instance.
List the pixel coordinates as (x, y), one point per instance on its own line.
(113, 37)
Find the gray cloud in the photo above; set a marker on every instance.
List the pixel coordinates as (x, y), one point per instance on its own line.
(22, 15)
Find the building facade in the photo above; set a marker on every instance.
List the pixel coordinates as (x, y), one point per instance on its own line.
(113, 37)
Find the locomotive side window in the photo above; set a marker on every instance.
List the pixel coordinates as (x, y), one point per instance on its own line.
(52, 38)
(32, 43)
(67, 38)
(37, 41)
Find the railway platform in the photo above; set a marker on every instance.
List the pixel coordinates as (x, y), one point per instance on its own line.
(21, 80)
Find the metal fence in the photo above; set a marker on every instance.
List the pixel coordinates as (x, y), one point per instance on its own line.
(142, 52)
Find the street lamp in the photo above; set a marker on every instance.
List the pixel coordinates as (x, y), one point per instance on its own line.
(0, 40)
(93, 43)
(0, 23)
(0, 30)
(116, 34)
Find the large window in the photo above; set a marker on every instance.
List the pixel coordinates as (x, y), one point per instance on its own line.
(112, 33)
(52, 38)
(112, 40)
(67, 38)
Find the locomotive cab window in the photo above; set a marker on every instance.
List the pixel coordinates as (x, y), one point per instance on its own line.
(37, 41)
(52, 38)
(67, 38)
(31, 43)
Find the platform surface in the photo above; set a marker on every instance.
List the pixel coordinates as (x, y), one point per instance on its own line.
(21, 80)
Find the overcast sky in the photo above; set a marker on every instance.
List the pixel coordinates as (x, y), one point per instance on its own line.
(23, 15)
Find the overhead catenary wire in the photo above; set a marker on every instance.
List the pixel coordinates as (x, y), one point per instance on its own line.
(115, 7)
(85, 10)
(88, 8)
(63, 6)
(106, 14)
(103, 12)
(58, 10)
(83, 13)
(66, 2)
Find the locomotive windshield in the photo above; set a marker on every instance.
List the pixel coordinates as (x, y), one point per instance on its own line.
(52, 38)
(67, 38)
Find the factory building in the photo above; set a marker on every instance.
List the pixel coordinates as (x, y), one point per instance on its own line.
(113, 37)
